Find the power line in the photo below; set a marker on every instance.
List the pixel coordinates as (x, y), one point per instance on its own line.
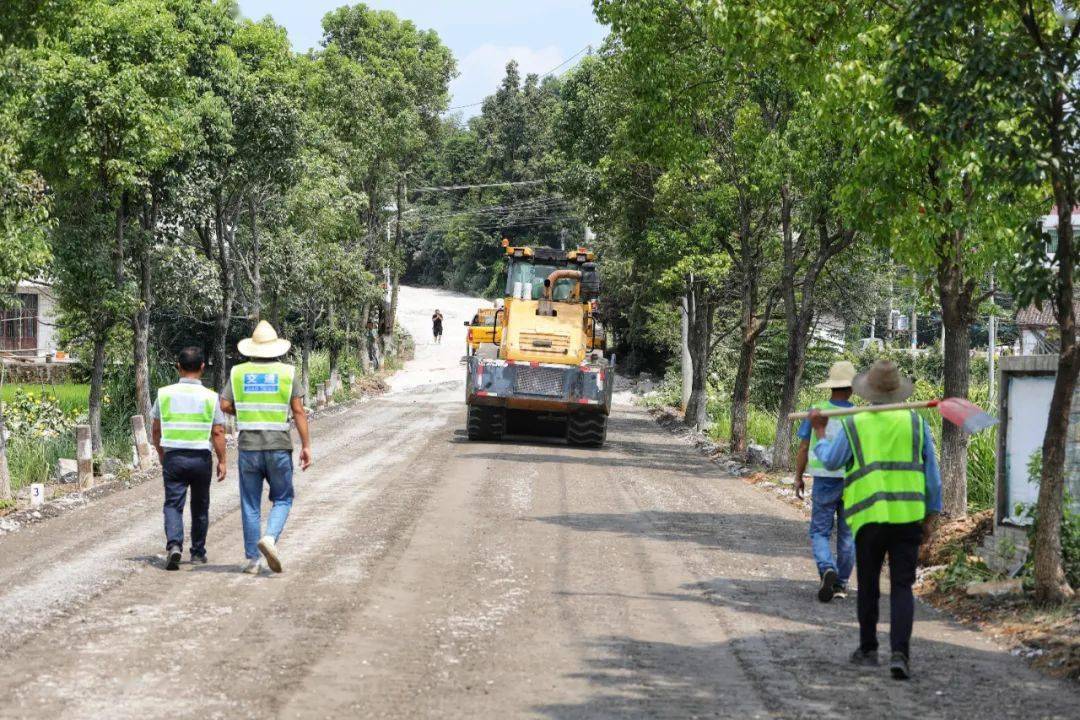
(549, 72)
(564, 62)
(443, 188)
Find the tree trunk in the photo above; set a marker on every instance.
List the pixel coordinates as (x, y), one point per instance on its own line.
(256, 259)
(686, 364)
(5, 473)
(306, 342)
(1050, 583)
(956, 315)
(141, 321)
(225, 306)
(797, 322)
(793, 373)
(740, 393)
(363, 341)
(697, 406)
(97, 381)
(395, 275)
(335, 344)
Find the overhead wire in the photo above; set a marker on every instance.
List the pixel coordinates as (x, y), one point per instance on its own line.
(549, 72)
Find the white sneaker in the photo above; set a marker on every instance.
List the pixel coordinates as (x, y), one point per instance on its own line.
(269, 551)
(253, 566)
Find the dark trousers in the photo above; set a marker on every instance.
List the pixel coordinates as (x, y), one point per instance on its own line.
(183, 469)
(901, 544)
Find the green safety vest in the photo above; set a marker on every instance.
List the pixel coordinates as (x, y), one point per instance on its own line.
(261, 394)
(187, 416)
(886, 481)
(815, 467)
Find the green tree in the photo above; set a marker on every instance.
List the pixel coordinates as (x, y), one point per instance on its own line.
(105, 119)
(920, 188)
(399, 74)
(1006, 72)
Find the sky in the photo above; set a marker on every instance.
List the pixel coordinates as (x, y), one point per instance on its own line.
(483, 34)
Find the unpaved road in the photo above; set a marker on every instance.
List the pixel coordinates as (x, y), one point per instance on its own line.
(427, 576)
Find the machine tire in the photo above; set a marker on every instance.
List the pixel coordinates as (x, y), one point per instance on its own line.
(586, 429)
(485, 423)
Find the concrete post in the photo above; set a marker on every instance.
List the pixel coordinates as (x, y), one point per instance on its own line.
(85, 456)
(142, 444)
(320, 395)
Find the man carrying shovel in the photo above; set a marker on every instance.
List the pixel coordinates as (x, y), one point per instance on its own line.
(892, 489)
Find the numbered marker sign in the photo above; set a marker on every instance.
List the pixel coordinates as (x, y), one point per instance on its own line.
(37, 495)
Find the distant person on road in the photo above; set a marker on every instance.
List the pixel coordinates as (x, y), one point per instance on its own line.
(372, 345)
(261, 393)
(436, 326)
(892, 496)
(827, 504)
(186, 422)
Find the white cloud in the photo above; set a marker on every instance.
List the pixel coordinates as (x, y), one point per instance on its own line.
(484, 67)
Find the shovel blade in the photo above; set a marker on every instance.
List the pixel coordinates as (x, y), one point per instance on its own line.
(966, 415)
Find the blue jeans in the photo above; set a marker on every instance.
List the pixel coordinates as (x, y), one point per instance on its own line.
(828, 504)
(276, 467)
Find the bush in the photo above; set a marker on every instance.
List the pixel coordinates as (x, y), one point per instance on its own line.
(1070, 529)
(35, 416)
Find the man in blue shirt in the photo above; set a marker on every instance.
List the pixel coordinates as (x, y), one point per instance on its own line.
(827, 491)
(893, 496)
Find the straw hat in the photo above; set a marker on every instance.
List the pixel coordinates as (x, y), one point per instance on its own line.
(883, 383)
(264, 343)
(840, 376)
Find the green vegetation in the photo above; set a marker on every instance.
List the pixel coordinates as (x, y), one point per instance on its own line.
(70, 397)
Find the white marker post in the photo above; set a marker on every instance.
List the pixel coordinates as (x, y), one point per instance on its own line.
(37, 495)
(84, 453)
(142, 444)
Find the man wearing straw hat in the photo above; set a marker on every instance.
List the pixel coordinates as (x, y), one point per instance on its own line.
(827, 490)
(261, 393)
(892, 488)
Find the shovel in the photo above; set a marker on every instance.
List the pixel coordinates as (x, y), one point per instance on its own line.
(965, 414)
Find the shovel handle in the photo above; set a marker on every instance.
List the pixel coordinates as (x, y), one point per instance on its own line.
(868, 408)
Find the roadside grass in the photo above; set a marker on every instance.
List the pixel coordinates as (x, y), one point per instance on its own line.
(34, 460)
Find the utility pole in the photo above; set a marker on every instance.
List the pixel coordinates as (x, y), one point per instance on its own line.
(914, 329)
(991, 360)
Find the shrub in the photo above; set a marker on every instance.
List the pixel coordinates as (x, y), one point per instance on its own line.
(35, 416)
(1070, 529)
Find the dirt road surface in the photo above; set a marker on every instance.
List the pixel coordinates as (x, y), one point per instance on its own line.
(427, 576)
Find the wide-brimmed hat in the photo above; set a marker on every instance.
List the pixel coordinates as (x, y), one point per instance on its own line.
(883, 383)
(264, 343)
(840, 375)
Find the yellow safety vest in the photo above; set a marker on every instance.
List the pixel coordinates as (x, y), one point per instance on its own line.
(815, 467)
(886, 482)
(187, 416)
(261, 393)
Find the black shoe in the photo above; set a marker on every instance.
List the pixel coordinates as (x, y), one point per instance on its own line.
(172, 558)
(198, 559)
(899, 667)
(839, 591)
(828, 586)
(864, 658)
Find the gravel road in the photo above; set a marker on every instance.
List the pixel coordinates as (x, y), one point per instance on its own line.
(427, 576)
